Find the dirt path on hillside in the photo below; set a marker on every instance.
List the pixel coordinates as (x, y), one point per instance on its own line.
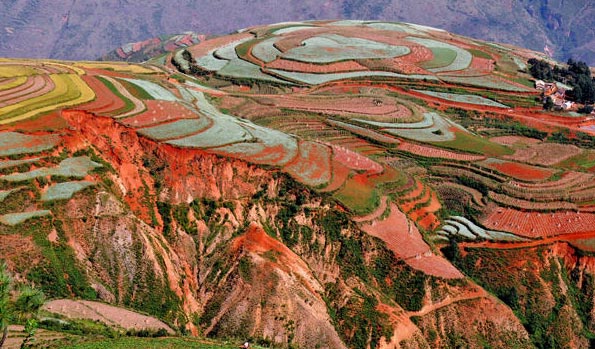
(448, 300)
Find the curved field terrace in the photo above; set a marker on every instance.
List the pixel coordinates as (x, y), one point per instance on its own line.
(419, 137)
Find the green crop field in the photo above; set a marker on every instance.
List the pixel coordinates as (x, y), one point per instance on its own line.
(474, 144)
(442, 57)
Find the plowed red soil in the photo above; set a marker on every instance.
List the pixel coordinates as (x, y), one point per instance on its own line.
(522, 171)
(46, 122)
(312, 165)
(159, 112)
(105, 100)
(482, 65)
(537, 224)
(204, 47)
(402, 237)
(339, 176)
(355, 161)
(295, 66)
(432, 152)
(435, 265)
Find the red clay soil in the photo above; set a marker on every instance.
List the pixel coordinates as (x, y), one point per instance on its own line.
(105, 101)
(425, 216)
(204, 47)
(312, 165)
(432, 152)
(403, 238)
(15, 248)
(424, 196)
(158, 112)
(256, 240)
(522, 171)
(435, 265)
(339, 176)
(429, 222)
(355, 161)
(303, 67)
(414, 192)
(512, 140)
(537, 224)
(122, 148)
(33, 84)
(47, 122)
(482, 65)
(400, 235)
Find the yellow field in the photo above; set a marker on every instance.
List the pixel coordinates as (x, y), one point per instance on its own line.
(70, 90)
(17, 82)
(10, 71)
(120, 67)
(69, 67)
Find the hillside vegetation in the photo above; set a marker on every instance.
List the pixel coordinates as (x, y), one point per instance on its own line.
(321, 184)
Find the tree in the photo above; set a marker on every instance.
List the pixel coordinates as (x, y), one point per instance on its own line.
(549, 103)
(5, 314)
(587, 109)
(23, 309)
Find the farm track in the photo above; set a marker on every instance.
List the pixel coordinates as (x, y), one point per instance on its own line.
(448, 300)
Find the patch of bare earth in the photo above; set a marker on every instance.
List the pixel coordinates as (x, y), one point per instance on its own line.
(107, 314)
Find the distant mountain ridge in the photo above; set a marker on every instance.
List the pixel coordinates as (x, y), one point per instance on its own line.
(143, 50)
(70, 29)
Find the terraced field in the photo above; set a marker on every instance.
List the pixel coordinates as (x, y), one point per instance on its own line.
(417, 135)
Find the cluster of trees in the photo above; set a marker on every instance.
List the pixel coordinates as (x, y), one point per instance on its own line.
(20, 309)
(577, 75)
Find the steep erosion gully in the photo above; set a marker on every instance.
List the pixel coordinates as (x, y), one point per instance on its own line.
(189, 174)
(124, 149)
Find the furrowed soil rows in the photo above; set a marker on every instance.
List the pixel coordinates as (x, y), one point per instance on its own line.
(432, 152)
(158, 112)
(46, 86)
(105, 102)
(538, 224)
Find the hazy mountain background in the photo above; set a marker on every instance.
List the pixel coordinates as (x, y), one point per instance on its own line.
(87, 29)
